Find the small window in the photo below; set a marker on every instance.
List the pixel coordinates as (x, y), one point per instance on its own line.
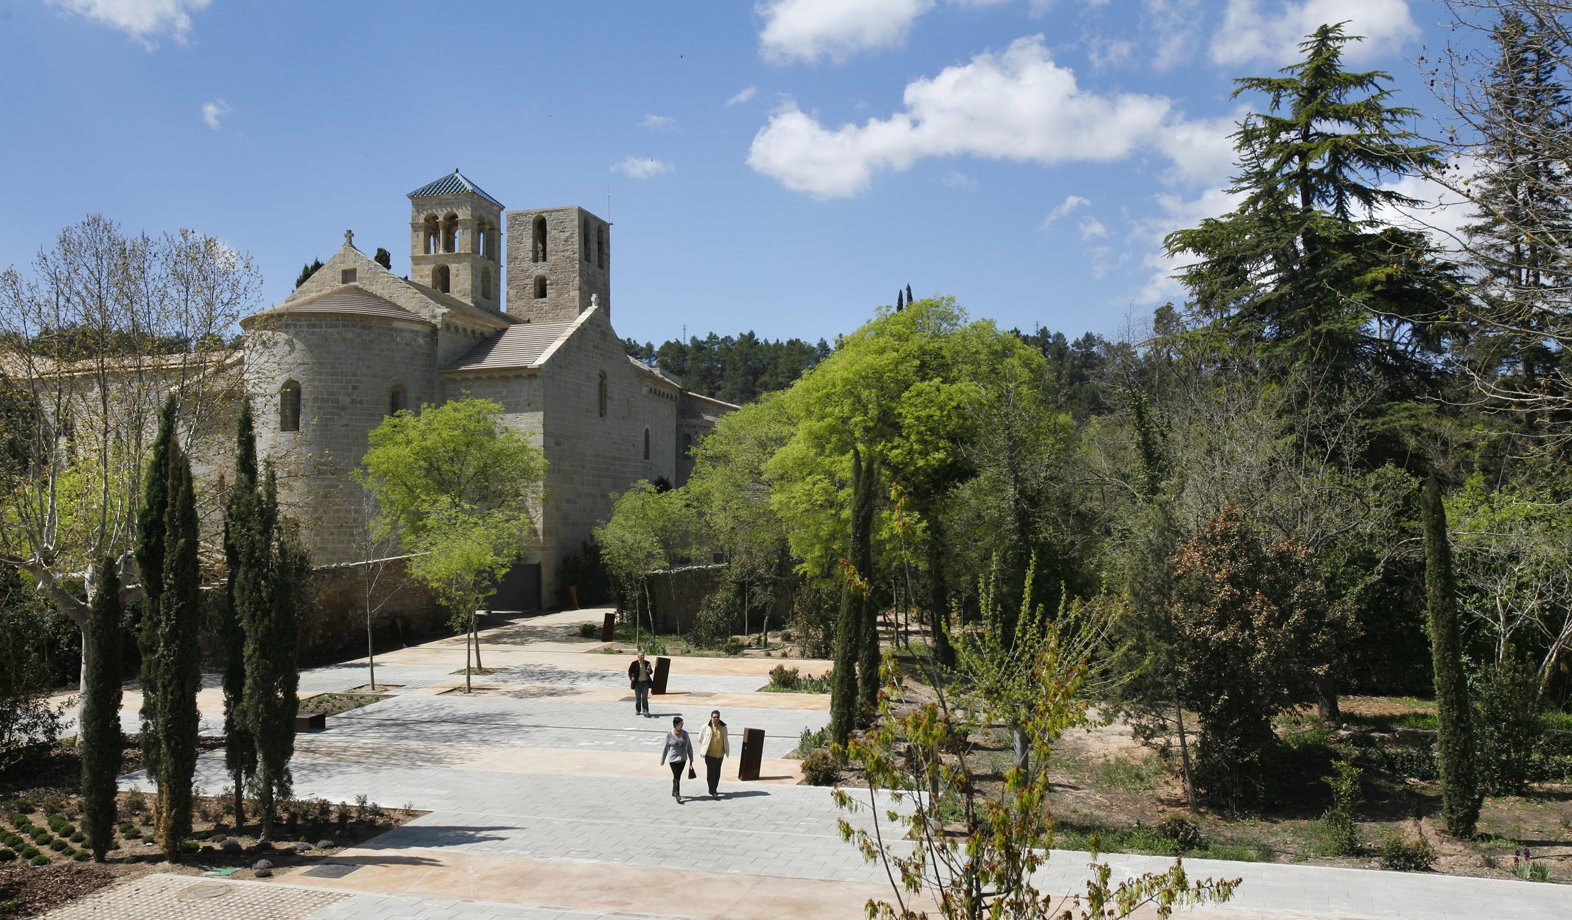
(600, 245)
(584, 239)
(602, 394)
(347, 276)
(537, 248)
(540, 287)
(440, 278)
(485, 283)
(289, 406)
(646, 443)
(398, 399)
(687, 445)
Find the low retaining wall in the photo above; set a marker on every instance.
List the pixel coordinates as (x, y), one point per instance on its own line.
(677, 594)
(336, 626)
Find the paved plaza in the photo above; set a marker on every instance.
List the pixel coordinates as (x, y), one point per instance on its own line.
(546, 799)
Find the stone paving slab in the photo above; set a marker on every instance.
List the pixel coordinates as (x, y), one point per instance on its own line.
(187, 897)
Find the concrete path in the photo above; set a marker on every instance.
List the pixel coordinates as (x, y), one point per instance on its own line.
(546, 799)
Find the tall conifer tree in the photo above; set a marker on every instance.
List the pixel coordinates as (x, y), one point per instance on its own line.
(151, 525)
(272, 678)
(100, 729)
(1460, 797)
(861, 550)
(246, 549)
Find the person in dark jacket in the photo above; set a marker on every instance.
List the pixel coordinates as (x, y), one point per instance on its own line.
(641, 676)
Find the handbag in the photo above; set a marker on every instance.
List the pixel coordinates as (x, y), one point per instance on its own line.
(692, 773)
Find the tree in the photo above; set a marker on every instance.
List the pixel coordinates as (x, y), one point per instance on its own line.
(171, 659)
(649, 530)
(939, 835)
(271, 635)
(1460, 797)
(856, 632)
(100, 726)
(99, 329)
(1247, 620)
(306, 271)
(459, 487)
(1304, 265)
(245, 556)
(382, 258)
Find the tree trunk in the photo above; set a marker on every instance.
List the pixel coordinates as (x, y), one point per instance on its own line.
(467, 658)
(474, 629)
(1184, 758)
(371, 653)
(1023, 753)
(1326, 700)
(939, 598)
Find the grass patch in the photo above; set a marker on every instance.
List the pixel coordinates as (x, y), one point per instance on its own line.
(1146, 840)
(1137, 777)
(332, 704)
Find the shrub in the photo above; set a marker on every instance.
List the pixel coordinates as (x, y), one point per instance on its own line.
(821, 768)
(1506, 724)
(1182, 832)
(588, 630)
(812, 740)
(733, 646)
(1338, 824)
(59, 845)
(1402, 855)
(39, 860)
(6, 855)
(712, 624)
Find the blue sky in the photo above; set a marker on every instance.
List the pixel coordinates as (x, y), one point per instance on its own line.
(782, 166)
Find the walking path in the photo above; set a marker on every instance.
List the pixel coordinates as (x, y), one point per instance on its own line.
(546, 800)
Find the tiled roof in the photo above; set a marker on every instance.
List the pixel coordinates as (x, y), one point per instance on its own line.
(350, 299)
(516, 347)
(455, 183)
(465, 311)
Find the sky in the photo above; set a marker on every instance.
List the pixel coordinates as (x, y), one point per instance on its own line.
(782, 166)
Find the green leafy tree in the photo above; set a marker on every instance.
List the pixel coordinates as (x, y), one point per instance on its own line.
(1460, 795)
(306, 271)
(272, 676)
(171, 658)
(100, 726)
(458, 486)
(246, 550)
(649, 530)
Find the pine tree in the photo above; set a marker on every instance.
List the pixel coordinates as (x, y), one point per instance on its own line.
(306, 271)
(100, 729)
(1460, 797)
(174, 659)
(245, 553)
(272, 675)
(383, 258)
(149, 554)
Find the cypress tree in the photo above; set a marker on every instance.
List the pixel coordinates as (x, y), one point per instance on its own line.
(175, 659)
(383, 258)
(100, 729)
(272, 677)
(1460, 797)
(863, 484)
(245, 554)
(150, 565)
(850, 629)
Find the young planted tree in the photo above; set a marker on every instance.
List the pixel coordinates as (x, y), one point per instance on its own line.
(245, 553)
(459, 487)
(100, 726)
(171, 659)
(1460, 796)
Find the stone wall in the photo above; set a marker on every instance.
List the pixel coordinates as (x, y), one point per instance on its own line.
(677, 594)
(335, 628)
(577, 268)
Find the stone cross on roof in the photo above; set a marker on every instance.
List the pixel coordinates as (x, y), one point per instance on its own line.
(349, 237)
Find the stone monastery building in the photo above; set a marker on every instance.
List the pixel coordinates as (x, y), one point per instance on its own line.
(356, 343)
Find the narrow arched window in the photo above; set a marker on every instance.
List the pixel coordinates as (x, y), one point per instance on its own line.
(431, 234)
(602, 394)
(537, 246)
(687, 445)
(600, 245)
(289, 406)
(450, 232)
(440, 278)
(584, 240)
(398, 399)
(540, 287)
(485, 283)
(646, 443)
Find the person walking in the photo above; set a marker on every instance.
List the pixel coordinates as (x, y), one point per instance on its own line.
(641, 676)
(678, 751)
(716, 747)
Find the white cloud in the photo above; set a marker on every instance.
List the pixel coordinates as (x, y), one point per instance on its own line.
(1175, 213)
(1202, 151)
(1441, 212)
(213, 111)
(808, 30)
(959, 180)
(1272, 39)
(1176, 24)
(1018, 105)
(1062, 210)
(641, 167)
(658, 123)
(1091, 229)
(743, 95)
(143, 20)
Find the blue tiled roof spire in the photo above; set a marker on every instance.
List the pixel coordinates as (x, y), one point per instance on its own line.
(454, 183)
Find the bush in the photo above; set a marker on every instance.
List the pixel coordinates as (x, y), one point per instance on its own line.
(821, 768)
(1506, 724)
(712, 624)
(6, 855)
(812, 740)
(39, 859)
(1338, 824)
(1183, 833)
(733, 646)
(1402, 855)
(588, 630)
(791, 680)
(813, 617)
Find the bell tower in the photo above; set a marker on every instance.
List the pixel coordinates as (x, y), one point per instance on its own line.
(456, 240)
(559, 264)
